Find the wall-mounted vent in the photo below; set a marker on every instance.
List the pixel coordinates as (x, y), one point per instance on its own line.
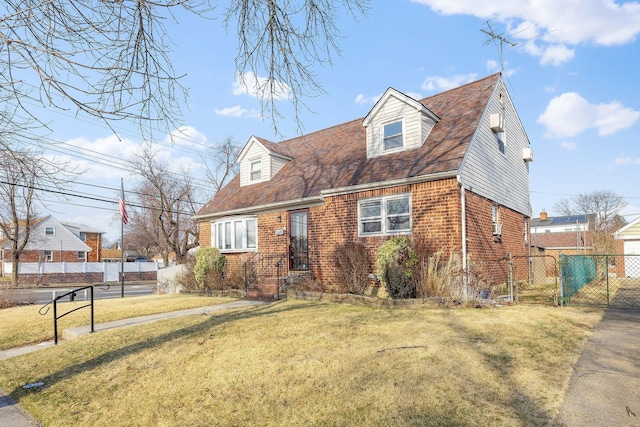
(527, 154)
(496, 122)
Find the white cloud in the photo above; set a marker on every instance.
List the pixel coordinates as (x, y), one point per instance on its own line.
(260, 87)
(553, 22)
(492, 65)
(439, 84)
(556, 55)
(569, 145)
(569, 114)
(238, 111)
(621, 161)
(363, 99)
(101, 158)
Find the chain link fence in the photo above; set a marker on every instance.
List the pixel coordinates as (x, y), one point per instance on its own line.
(600, 280)
(595, 280)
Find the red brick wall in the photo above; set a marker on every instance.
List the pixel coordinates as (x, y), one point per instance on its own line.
(35, 256)
(205, 234)
(436, 219)
(94, 241)
(488, 255)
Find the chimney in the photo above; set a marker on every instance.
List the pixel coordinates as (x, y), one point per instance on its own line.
(543, 215)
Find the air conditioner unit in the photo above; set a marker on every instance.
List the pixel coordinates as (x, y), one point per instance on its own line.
(497, 229)
(496, 123)
(527, 154)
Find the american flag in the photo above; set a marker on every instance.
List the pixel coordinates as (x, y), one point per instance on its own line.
(123, 207)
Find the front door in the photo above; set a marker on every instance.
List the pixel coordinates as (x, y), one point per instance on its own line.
(298, 244)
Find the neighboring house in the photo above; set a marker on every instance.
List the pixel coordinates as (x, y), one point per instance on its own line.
(91, 236)
(562, 224)
(51, 241)
(451, 169)
(629, 242)
(115, 255)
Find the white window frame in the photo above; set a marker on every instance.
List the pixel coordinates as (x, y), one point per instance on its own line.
(502, 142)
(83, 236)
(383, 125)
(47, 256)
(252, 171)
(49, 227)
(384, 216)
(228, 233)
(84, 256)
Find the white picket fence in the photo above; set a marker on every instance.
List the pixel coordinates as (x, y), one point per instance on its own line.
(110, 270)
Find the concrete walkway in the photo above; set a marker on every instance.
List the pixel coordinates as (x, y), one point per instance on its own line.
(11, 415)
(604, 389)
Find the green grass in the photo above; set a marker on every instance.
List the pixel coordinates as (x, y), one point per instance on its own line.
(306, 363)
(20, 326)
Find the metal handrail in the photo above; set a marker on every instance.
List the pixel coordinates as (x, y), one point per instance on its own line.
(72, 295)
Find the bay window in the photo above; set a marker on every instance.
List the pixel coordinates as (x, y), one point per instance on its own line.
(237, 234)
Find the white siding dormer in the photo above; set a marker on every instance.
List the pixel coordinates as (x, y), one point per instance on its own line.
(397, 123)
(258, 163)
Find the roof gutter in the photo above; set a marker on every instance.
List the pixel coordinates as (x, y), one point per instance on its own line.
(289, 204)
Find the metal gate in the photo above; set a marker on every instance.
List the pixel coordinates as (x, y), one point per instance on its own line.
(600, 280)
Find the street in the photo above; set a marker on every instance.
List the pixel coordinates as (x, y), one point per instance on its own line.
(44, 295)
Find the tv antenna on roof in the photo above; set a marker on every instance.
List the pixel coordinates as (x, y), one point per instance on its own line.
(493, 36)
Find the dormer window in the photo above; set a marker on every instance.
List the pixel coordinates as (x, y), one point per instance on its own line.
(256, 170)
(392, 136)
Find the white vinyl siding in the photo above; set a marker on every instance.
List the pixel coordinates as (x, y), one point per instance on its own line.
(415, 126)
(235, 235)
(255, 159)
(502, 178)
(389, 215)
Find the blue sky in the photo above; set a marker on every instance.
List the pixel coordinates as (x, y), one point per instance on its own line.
(573, 75)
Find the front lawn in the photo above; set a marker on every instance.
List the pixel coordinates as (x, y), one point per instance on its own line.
(308, 363)
(20, 326)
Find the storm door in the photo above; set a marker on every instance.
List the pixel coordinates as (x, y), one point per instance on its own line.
(298, 244)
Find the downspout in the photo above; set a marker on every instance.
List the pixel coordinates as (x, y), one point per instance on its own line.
(463, 216)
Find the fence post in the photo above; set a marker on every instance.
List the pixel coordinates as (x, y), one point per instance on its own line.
(606, 266)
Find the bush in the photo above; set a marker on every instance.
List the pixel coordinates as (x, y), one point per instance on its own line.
(352, 262)
(396, 263)
(209, 268)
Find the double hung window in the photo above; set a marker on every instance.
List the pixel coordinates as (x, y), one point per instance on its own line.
(392, 136)
(385, 215)
(256, 171)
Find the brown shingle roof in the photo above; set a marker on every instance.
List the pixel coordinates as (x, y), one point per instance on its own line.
(336, 157)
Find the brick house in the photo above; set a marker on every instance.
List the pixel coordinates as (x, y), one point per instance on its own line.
(451, 169)
(54, 241)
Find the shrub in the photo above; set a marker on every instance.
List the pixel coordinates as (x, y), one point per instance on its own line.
(209, 268)
(396, 263)
(352, 262)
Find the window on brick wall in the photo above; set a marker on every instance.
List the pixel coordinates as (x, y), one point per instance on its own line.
(82, 256)
(47, 256)
(236, 234)
(384, 215)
